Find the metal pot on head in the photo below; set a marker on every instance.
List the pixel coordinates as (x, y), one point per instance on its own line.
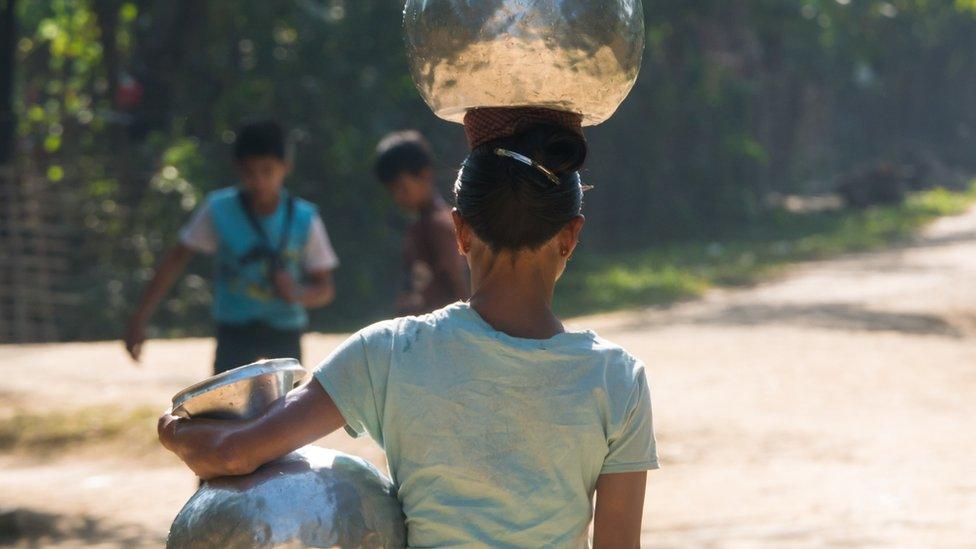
(579, 56)
(313, 497)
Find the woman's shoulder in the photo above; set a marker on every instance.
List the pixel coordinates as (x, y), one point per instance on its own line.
(619, 363)
(410, 324)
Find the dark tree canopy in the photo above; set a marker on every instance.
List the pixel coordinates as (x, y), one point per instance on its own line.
(129, 107)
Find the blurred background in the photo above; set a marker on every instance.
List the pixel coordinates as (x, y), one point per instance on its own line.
(117, 119)
(761, 133)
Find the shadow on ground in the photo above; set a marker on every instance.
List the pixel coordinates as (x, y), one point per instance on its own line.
(28, 528)
(835, 316)
(935, 241)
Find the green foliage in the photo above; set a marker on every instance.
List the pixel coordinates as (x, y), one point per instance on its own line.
(665, 274)
(129, 107)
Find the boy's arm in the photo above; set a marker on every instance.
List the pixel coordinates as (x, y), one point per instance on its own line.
(448, 260)
(165, 276)
(318, 291)
(619, 510)
(318, 288)
(215, 448)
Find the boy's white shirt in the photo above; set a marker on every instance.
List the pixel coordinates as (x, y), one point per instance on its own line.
(199, 234)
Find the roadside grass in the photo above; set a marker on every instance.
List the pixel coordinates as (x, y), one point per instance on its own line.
(49, 433)
(666, 274)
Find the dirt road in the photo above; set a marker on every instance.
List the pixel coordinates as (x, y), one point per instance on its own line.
(831, 407)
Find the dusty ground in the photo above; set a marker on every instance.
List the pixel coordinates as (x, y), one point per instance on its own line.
(831, 407)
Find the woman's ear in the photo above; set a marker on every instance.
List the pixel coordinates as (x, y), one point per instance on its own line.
(462, 233)
(569, 236)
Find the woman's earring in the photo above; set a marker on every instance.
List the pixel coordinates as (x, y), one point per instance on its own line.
(564, 252)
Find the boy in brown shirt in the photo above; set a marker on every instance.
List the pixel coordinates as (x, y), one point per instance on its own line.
(433, 271)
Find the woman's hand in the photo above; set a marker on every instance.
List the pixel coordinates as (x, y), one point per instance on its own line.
(166, 430)
(215, 448)
(202, 445)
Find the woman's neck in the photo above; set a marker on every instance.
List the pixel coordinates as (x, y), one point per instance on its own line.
(515, 297)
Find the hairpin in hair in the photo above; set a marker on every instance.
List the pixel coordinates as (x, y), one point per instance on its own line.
(529, 162)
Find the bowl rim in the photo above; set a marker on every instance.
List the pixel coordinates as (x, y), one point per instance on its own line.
(255, 369)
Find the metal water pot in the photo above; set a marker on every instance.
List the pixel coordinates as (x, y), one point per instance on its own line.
(313, 497)
(580, 56)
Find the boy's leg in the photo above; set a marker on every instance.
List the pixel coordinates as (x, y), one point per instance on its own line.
(236, 346)
(276, 343)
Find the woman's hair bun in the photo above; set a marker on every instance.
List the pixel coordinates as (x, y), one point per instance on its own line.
(513, 205)
(558, 149)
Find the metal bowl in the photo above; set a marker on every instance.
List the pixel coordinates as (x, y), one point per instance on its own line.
(580, 56)
(241, 393)
(310, 498)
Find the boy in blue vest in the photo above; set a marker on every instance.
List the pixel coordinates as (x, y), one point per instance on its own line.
(272, 252)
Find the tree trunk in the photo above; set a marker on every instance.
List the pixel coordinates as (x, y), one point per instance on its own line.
(8, 43)
(163, 49)
(107, 13)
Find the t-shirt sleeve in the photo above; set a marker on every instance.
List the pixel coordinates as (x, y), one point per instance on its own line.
(632, 444)
(319, 254)
(199, 234)
(357, 384)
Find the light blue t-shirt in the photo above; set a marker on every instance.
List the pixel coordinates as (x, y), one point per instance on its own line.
(492, 440)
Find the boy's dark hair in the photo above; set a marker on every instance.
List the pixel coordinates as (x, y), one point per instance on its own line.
(514, 206)
(262, 138)
(402, 152)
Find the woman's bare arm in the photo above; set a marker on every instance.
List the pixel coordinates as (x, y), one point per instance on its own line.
(619, 510)
(214, 448)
